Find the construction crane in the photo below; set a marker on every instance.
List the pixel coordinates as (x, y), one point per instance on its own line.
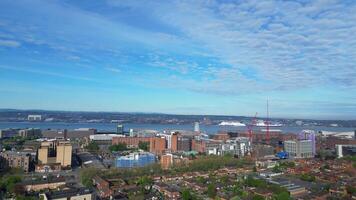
(250, 127)
(267, 125)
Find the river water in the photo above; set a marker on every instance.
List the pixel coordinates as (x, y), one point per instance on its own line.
(209, 129)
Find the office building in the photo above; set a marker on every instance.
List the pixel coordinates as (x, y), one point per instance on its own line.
(135, 160)
(120, 129)
(16, 160)
(299, 148)
(34, 118)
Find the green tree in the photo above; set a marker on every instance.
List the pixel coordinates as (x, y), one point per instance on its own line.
(187, 195)
(257, 197)
(86, 176)
(254, 169)
(211, 190)
(351, 190)
(144, 145)
(282, 196)
(118, 147)
(92, 146)
(146, 183)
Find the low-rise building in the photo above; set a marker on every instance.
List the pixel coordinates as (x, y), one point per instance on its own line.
(168, 191)
(103, 187)
(42, 184)
(69, 194)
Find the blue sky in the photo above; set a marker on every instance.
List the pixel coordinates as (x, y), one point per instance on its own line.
(184, 57)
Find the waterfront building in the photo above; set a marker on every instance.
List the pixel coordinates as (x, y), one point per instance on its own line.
(120, 129)
(30, 132)
(196, 127)
(135, 160)
(34, 117)
(8, 133)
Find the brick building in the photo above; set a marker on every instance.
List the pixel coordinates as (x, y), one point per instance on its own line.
(157, 145)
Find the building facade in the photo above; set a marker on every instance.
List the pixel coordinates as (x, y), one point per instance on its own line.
(16, 160)
(299, 148)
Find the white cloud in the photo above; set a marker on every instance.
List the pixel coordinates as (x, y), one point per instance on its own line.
(9, 43)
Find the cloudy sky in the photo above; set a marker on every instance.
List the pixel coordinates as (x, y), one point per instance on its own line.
(185, 57)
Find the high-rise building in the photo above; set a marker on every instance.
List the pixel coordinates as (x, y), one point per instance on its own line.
(157, 145)
(174, 142)
(120, 129)
(54, 151)
(64, 153)
(196, 127)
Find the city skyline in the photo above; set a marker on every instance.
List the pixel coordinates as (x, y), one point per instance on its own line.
(180, 57)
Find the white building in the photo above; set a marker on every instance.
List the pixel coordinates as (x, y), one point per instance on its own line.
(34, 117)
(240, 147)
(196, 127)
(299, 148)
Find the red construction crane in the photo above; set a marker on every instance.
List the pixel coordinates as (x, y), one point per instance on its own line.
(250, 127)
